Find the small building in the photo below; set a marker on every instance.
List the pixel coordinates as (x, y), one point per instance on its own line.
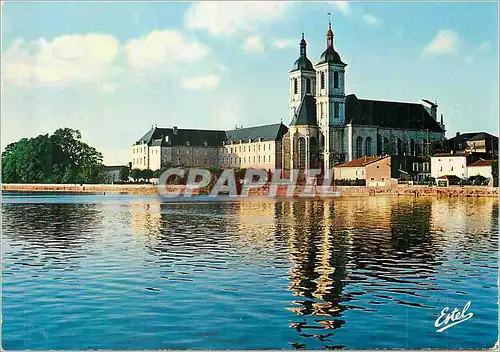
(449, 164)
(374, 170)
(447, 180)
(480, 168)
(113, 173)
(411, 168)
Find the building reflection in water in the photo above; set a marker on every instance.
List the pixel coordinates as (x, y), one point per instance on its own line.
(345, 254)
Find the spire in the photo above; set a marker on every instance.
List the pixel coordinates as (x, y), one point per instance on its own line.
(303, 45)
(329, 34)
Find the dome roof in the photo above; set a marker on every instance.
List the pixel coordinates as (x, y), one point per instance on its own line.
(303, 63)
(330, 56)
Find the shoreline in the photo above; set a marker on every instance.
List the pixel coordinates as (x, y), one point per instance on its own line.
(345, 191)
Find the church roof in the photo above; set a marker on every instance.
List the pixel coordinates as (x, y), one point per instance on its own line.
(303, 63)
(272, 132)
(330, 56)
(306, 112)
(389, 114)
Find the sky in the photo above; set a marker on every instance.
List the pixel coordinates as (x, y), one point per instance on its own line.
(114, 69)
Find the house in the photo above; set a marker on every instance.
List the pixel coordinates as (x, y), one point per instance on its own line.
(447, 180)
(449, 164)
(411, 168)
(476, 144)
(374, 170)
(481, 168)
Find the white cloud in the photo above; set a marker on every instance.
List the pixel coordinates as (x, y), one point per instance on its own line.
(159, 47)
(370, 19)
(253, 44)
(68, 58)
(282, 43)
(226, 18)
(108, 87)
(481, 48)
(209, 82)
(444, 43)
(342, 6)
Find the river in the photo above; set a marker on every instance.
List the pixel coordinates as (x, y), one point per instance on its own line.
(133, 272)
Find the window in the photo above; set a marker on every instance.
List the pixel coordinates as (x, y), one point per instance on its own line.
(259, 147)
(295, 86)
(359, 147)
(302, 153)
(322, 79)
(178, 161)
(426, 166)
(259, 158)
(244, 159)
(178, 151)
(308, 85)
(254, 158)
(451, 168)
(415, 167)
(336, 112)
(368, 146)
(244, 149)
(378, 166)
(321, 109)
(372, 179)
(188, 143)
(254, 147)
(335, 79)
(382, 178)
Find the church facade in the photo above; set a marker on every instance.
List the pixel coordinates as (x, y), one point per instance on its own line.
(327, 127)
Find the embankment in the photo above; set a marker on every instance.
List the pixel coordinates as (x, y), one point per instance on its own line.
(354, 191)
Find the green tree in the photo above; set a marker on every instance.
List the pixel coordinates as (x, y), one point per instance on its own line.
(136, 174)
(147, 174)
(124, 173)
(494, 173)
(59, 158)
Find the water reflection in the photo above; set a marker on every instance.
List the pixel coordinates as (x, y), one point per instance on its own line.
(321, 274)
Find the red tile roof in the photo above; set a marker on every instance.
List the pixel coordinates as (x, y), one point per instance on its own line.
(482, 163)
(361, 162)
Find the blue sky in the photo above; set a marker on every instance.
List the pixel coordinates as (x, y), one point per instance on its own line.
(112, 69)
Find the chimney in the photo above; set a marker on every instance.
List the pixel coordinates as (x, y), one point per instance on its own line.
(458, 134)
(175, 131)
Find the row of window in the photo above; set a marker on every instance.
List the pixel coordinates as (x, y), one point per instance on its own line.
(139, 150)
(238, 149)
(397, 146)
(236, 160)
(322, 82)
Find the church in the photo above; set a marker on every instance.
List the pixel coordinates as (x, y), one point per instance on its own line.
(327, 127)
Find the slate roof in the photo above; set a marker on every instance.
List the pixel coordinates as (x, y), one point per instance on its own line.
(389, 114)
(363, 161)
(330, 56)
(272, 132)
(156, 136)
(474, 136)
(306, 112)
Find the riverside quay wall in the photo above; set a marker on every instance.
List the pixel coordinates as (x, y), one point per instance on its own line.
(345, 191)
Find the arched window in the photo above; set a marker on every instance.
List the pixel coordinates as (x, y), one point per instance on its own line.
(295, 86)
(368, 146)
(302, 153)
(335, 79)
(322, 80)
(399, 147)
(359, 147)
(308, 85)
(386, 146)
(336, 110)
(314, 152)
(412, 147)
(321, 109)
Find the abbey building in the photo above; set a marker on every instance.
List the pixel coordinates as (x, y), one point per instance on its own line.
(327, 127)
